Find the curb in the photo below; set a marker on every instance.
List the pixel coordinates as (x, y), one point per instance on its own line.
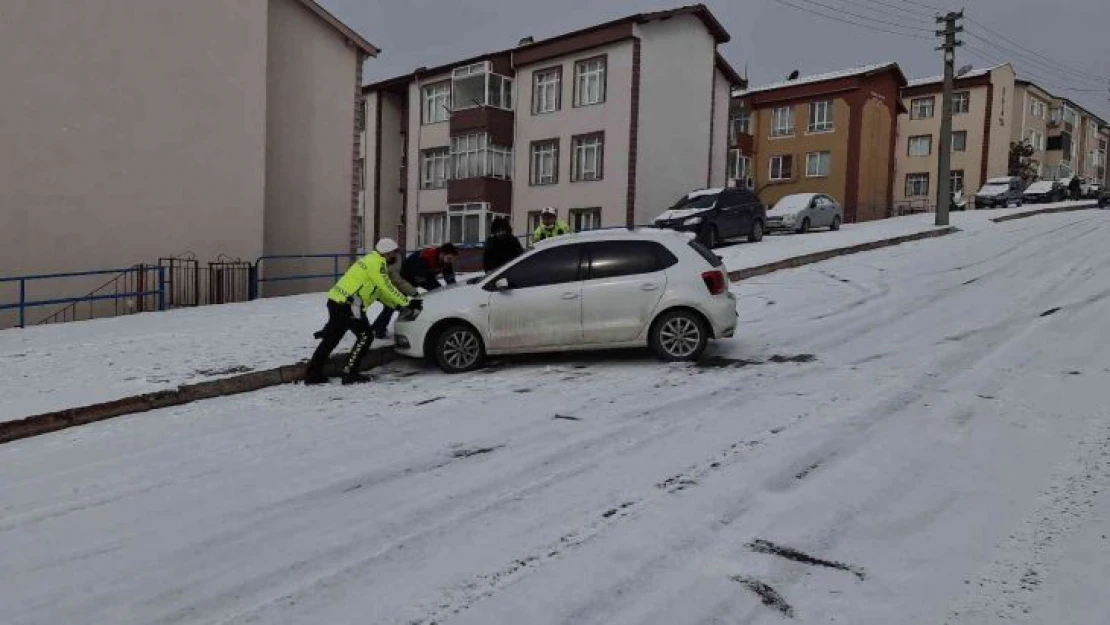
(816, 257)
(1044, 211)
(185, 394)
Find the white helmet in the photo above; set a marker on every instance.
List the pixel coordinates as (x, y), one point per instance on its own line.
(386, 246)
(549, 211)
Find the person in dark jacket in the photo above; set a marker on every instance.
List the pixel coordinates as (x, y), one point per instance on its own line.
(422, 270)
(501, 246)
(1076, 188)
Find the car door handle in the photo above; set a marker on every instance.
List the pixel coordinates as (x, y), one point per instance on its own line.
(649, 287)
(570, 296)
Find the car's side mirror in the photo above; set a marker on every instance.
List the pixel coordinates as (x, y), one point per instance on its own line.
(502, 284)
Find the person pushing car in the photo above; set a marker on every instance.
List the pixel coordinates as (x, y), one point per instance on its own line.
(366, 282)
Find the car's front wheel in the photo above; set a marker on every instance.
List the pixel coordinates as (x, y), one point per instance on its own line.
(459, 348)
(835, 224)
(757, 233)
(679, 335)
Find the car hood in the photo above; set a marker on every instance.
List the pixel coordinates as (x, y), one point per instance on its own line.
(454, 297)
(992, 191)
(682, 213)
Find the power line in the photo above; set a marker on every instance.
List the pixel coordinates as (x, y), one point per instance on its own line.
(846, 21)
(1049, 82)
(898, 12)
(1035, 53)
(905, 9)
(925, 6)
(866, 17)
(1038, 65)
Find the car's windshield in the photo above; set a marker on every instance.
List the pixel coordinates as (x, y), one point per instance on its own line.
(697, 202)
(793, 203)
(1039, 187)
(994, 188)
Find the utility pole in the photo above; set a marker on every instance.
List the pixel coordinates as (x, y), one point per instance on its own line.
(944, 157)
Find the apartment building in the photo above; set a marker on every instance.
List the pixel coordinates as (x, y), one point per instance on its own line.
(139, 130)
(828, 133)
(982, 127)
(1068, 140)
(1032, 114)
(608, 125)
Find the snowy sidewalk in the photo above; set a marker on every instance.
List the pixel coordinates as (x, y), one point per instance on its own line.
(49, 368)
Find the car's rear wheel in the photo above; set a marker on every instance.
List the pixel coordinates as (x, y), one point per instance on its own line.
(459, 348)
(757, 233)
(679, 335)
(804, 228)
(710, 237)
(835, 224)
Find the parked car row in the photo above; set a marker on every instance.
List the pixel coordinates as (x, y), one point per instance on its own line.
(1010, 190)
(716, 215)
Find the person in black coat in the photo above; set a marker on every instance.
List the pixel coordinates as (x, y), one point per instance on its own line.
(501, 247)
(1076, 188)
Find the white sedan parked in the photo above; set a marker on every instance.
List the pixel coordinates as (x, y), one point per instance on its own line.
(802, 211)
(603, 289)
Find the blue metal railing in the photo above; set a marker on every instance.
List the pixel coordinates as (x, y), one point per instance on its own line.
(138, 273)
(258, 277)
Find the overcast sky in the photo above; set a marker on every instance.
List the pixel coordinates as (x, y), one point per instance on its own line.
(768, 38)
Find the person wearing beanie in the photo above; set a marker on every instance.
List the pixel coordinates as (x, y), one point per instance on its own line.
(367, 281)
(501, 246)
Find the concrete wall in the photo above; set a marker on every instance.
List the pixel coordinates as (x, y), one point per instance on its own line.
(798, 146)
(876, 161)
(612, 117)
(392, 199)
(123, 139)
(311, 78)
(676, 86)
(718, 174)
(1001, 122)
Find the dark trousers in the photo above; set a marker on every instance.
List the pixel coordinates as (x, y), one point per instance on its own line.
(340, 320)
(381, 323)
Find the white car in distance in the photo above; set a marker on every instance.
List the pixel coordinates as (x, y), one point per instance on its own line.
(603, 289)
(801, 211)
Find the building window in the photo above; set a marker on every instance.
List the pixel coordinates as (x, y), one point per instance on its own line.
(739, 124)
(468, 223)
(782, 168)
(360, 173)
(589, 81)
(921, 145)
(922, 108)
(474, 157)
(585, 219)
(821, 116)
(535, 219)
(739, 167)
(782, 122)
(817, 164)
(476, 85)
(437, 103)
(917, 185)
(432, 228)
(360, 116)
(961, 102)
(547, 90)
(956, 180)
(545, 162)
(959, 141)
(435, 164)
(588, 157)
(1038, 109)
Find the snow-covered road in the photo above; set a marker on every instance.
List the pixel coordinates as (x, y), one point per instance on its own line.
(930, 421)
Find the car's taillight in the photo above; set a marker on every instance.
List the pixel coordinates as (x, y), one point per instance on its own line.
(714, 281)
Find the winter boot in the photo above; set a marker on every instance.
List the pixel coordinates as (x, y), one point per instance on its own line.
(356, 378)
(313, 377)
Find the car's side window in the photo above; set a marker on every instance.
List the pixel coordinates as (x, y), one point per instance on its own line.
(614, 259)
(557, 265)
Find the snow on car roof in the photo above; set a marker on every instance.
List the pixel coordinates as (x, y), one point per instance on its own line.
(703, 192)
(1040, 184)
(844, 73)
(614, 233)
(796, 200)
(999, 180)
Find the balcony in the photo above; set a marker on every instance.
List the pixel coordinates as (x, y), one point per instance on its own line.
(496, 192)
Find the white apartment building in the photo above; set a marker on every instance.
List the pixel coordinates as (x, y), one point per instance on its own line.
(608, 125)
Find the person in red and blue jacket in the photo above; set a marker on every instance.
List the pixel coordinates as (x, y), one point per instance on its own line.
(422, 270)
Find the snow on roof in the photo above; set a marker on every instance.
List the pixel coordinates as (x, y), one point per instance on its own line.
(917, 82)
(804, 80)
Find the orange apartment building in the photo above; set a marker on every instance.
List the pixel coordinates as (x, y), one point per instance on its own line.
(831, 133)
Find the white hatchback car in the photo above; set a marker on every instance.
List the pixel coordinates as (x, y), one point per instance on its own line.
(604, 289)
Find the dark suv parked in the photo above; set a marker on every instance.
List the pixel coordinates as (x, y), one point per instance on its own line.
(716, 215)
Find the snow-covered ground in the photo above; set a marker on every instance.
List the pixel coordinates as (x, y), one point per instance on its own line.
(930, 420)
(47, 368)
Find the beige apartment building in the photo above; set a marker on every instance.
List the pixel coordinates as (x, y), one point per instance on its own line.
(608, 125)
(983, 124)
(830, 133)
(135, 130)
(1068, 140)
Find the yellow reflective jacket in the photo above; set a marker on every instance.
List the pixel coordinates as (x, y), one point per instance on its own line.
(368, 280)
(543, 232)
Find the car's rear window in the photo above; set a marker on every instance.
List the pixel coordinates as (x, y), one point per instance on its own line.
(707, 254)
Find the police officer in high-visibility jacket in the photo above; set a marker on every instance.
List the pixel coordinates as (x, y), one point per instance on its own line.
(366, 282)
(550, 226)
